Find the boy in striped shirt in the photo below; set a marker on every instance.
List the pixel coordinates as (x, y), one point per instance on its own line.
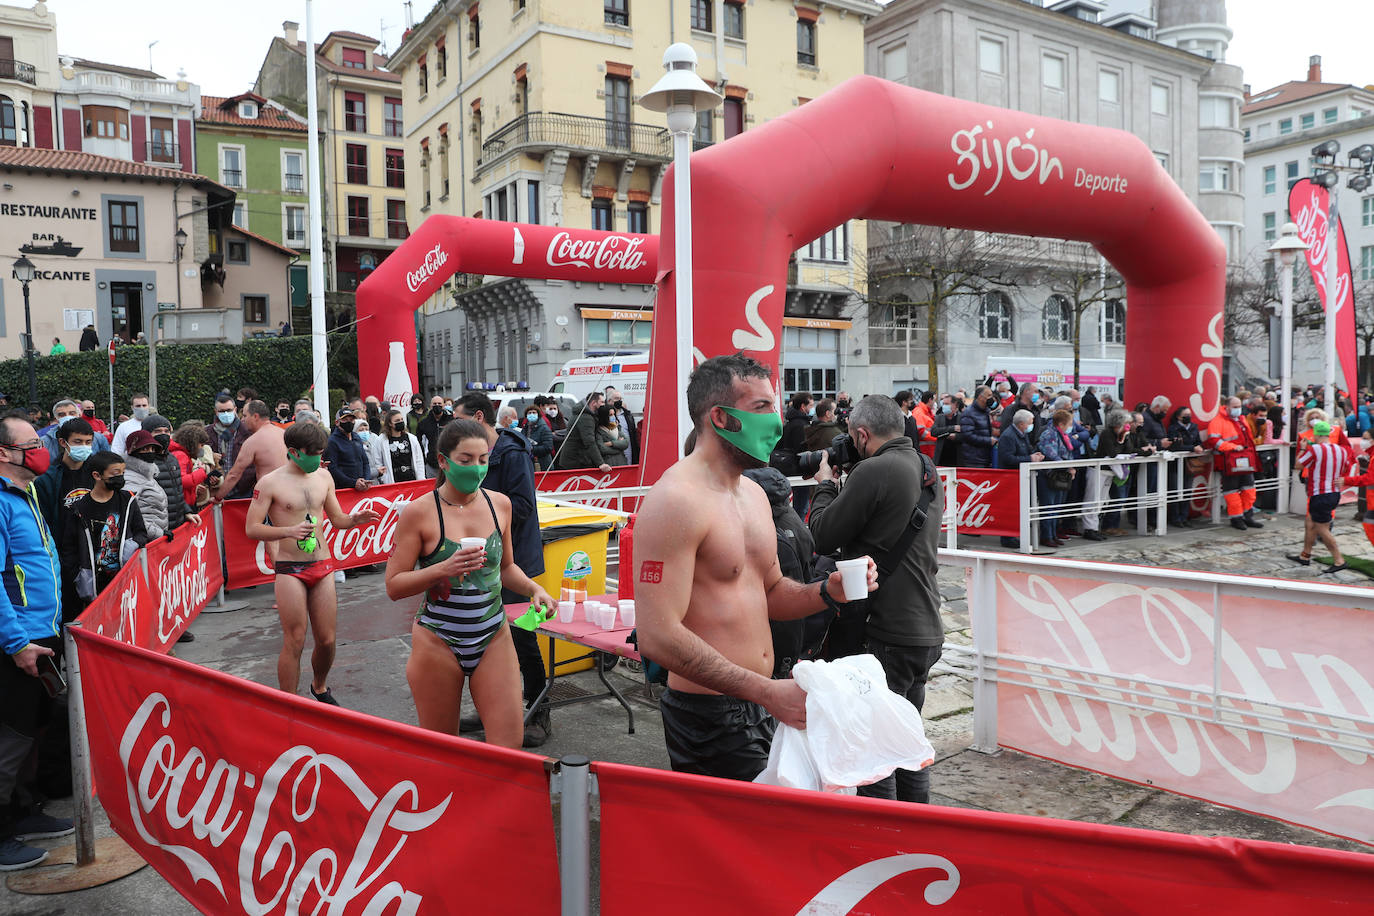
(1325, 464)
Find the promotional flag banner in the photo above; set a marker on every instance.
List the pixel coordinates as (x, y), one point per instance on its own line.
(1310, 206)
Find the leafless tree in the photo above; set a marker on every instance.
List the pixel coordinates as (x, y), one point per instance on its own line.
(1083, 280)
(934, 273)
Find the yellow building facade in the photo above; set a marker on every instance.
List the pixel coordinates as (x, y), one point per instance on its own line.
(527, 110)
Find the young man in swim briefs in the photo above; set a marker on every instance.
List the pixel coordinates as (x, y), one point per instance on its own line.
(299, 495)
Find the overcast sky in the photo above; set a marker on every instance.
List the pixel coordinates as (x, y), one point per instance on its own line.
(221, 46)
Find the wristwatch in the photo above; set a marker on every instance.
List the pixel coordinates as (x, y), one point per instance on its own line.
(826, 597)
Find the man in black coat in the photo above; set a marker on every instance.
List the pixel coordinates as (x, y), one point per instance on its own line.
(580, 449)
(626, 421)
(975, 431)
(427, 431)
(510, 470)
(347, 458)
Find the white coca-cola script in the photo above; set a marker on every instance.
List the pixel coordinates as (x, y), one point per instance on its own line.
(845, 892)
(975, 506)
(611, 252)
(177, 797)
(182, 585)
(434, 259)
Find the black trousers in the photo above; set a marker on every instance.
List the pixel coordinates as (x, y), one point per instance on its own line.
(907, 669)
(25, 708)
(527, 652)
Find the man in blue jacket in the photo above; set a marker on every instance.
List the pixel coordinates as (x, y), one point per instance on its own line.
(30, 634)
(346, 456)
(510, 470)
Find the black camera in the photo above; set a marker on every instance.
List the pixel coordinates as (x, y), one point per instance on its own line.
(841, 454)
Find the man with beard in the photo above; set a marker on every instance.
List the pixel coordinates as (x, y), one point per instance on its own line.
(708, 580)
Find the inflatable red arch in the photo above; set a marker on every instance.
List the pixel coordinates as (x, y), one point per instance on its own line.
(869, 149)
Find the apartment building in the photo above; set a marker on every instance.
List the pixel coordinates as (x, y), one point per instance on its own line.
(257, 147)
(1281, 125)
(362, 158)
(1163, 79)
(526, 110)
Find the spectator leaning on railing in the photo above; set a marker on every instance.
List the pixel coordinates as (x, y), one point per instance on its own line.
(1053, 486)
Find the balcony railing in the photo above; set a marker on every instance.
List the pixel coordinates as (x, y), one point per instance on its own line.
(18, 70)
(232, 178)
(551, 130)
(162, 151)
(294, 183)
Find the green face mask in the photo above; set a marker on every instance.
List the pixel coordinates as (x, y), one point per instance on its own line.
(466, 478)
(758, 434)
(308, 463)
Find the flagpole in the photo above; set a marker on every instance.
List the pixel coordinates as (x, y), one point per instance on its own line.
(319, 346)
(1333, 301)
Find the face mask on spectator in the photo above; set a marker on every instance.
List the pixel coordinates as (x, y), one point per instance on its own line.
(552, 411)
(79, 452)
(1185, 420)
(1234, 412)
(115, 483)
(1035, 399)
(531, 417)
(89, 413)
(141, 413)
(944, 408)
(62, 421)
(225, 417)
(398, 425)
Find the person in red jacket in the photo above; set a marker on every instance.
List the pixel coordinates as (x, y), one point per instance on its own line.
(97, 424)
(1229, 436)
(186, 446)
(1364, 479)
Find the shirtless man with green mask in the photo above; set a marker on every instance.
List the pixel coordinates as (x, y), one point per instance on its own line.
(299, 496)
(707, 580)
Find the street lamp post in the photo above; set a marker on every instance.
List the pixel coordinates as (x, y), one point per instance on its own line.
(1361, 171)
(24, 272)
(1285, 250)
(681, 93)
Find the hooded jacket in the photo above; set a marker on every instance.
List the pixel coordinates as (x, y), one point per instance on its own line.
(580, 450)
(169, 478)
(510, 470)
(140, 479)
(975, 437)
(796, 550)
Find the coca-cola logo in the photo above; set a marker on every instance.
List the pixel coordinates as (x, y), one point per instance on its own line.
(371, 543)
(183, 585)
(173, 792)
(434, 259)
(609, 252)
(975, 503)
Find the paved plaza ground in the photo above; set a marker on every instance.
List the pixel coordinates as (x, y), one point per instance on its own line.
(374, 641)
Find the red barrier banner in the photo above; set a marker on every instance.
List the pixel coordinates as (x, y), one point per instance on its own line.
(246, 559)
(184, 573)
(741, 848)
(124, 609)
(250, 800)
(582, 480)
(989, 502)
(1261, 703)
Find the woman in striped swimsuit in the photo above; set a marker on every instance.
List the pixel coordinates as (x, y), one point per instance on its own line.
(460, 631)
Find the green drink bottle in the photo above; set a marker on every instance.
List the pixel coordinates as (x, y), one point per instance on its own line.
(309, 543)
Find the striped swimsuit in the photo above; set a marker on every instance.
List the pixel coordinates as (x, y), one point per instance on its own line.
(471, 616)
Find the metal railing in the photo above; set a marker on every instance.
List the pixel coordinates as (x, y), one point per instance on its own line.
(232, 178)
(542, 130)
(162, 151)
(1171, 485)
(18, 70)
(293, 182)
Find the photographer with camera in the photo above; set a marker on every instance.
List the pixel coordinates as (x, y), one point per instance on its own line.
(889, 509)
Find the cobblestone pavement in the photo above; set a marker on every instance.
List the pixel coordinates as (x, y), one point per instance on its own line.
(374, 642)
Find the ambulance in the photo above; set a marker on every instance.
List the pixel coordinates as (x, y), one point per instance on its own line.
(628, 373)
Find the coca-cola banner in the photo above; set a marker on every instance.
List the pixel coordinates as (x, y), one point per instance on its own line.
(124, 609)
(250, 800)
(573, 484)
(444, 245)
(1310, 206)
(246, 559)
(989, 502)
(184, 574)
(741, 848)
(1186, 688)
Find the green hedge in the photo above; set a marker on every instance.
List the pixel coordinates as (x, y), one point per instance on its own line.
(188, 375)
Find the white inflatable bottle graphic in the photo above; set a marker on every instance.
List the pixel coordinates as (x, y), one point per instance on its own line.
(396, 389)
(519, 246)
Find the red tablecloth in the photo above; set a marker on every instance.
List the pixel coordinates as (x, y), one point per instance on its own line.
(582, 632)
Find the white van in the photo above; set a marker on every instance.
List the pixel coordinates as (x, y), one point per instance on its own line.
(628, 374)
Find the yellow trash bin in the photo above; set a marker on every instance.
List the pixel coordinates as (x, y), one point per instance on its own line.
(575, 541)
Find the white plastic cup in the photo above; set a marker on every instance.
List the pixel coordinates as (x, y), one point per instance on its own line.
(607, 617)
(627, 613)
(855, 573)
(469, 543)
(566, 611)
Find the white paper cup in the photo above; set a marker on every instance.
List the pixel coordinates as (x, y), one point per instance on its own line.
(855, 573)
(469, 543)
(566, 611)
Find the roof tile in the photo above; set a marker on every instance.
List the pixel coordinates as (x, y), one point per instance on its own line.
(61, 160)
(1293, 91)
(216, 109)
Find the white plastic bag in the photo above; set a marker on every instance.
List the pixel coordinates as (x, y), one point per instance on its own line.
(857, 730)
